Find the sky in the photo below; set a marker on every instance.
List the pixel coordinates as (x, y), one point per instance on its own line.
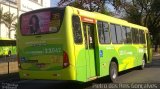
(54, 3)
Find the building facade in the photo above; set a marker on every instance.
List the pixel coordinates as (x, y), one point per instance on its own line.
(17, 7)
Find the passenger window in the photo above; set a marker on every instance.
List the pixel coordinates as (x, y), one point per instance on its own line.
(77, 32)
(113, 33)
(124, 34)
(100, 32)
(106, 32)
(142, 37)
(119, 34)
(103, 30)
(129, 35)
(137, 36)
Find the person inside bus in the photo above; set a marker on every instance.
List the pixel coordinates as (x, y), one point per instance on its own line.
(34, 25)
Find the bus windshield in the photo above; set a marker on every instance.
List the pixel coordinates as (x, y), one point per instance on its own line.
(7, 43)
(41, 22)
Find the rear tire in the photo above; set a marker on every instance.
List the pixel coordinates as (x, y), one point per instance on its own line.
(113, 71)
(141, 67)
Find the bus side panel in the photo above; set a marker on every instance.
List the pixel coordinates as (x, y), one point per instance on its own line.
(141, 52)
(138, 54)
(81, 66)
(105, 54)
(123, 54)
(127, 59)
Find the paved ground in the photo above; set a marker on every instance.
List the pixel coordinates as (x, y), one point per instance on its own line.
(8, 61)
(150, 75)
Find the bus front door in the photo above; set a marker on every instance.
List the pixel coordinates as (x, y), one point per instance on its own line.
(90, 49)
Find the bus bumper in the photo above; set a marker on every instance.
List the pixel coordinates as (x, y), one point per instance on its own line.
(63, 74)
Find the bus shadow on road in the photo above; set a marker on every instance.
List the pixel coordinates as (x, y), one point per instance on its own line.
(56, 84)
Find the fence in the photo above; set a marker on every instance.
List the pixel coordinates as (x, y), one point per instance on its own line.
(8, 65)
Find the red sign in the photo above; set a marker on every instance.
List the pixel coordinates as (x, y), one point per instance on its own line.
(88, 20)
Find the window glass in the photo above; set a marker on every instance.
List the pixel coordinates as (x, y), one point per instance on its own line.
(124, 34)
(142, 36)
(134, 35)
(103, 31)
(119, 34)
(137, 36)
(41, 22)
(113, 33)
(100, 32)
(7, 43)
(129, 35)
(37, 1)
(106, 32)
(77, 32)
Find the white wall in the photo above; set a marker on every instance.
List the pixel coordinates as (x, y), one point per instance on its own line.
(3, 29)
(28, 5)
(24, 6)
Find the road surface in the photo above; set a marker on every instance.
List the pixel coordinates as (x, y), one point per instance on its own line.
(150, 75)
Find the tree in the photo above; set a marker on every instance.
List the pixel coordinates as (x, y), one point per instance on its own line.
(8, 20)
(90, 5)
(1, 15)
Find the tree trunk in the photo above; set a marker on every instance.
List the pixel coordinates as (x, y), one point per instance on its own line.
(156, 45)
(9, 33)
(156, 48)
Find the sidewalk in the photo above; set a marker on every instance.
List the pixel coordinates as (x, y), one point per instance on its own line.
(156, 54)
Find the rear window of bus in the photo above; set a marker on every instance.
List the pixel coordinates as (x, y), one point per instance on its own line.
(41, 22)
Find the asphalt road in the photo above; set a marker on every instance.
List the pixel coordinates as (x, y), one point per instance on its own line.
(150, 75)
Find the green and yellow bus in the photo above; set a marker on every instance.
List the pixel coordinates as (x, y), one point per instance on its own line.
(7, 47)
(74, 44)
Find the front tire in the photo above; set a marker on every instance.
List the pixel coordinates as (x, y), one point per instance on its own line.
(113, 71)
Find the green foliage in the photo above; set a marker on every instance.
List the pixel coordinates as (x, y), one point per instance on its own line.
(90, 5)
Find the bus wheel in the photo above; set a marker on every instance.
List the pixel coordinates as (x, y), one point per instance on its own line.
(9, 53)
(141, 67)
(113, 71)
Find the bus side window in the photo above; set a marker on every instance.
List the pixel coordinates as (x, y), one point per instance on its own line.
(113, 33)
(104, 33)
(135, 36)
(101, 32)
(124, 34)
(142, 37)
(129, 35)
(77, 32)
(119, 34)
